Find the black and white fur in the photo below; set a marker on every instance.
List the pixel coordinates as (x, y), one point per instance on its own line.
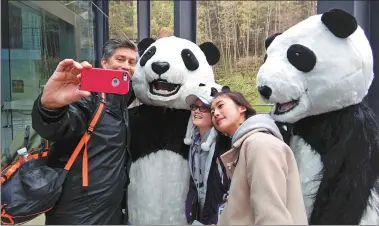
(317, 74)
(168, 70)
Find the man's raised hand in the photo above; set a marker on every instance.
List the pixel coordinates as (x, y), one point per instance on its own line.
(63, 86)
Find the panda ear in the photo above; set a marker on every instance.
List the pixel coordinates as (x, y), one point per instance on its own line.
(214, 91)
(144, 44)
(269, 40)
(225, 89)
(339, 22)
(212, 53)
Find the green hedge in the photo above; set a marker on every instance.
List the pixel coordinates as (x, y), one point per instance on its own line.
(244, 83)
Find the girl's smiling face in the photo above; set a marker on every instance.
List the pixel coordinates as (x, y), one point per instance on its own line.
(201, 116)
(226, 114)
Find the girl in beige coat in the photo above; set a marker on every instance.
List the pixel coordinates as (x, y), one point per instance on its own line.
(265, 186)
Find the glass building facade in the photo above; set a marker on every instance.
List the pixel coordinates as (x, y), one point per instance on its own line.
(35, 36)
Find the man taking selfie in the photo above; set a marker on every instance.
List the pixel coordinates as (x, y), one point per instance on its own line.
(62, 114)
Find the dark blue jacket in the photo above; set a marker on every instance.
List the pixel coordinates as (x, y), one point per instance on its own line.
(217, 187)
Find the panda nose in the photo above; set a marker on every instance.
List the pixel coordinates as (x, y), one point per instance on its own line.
(160, 67)
(265, 91)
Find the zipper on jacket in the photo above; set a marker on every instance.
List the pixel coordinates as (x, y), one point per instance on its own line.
(114, 114)
(124, 110)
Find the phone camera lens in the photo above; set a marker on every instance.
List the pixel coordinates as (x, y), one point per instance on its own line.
(115, 82)
(125, 76)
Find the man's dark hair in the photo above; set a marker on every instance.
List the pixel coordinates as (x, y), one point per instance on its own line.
(239, 99)
(115, 43)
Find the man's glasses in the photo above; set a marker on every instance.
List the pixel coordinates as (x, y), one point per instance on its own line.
(193, 107)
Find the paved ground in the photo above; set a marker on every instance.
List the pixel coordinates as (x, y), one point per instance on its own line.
(37, 221)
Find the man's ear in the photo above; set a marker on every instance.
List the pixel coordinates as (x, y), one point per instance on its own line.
(103, 61)
(144, 44)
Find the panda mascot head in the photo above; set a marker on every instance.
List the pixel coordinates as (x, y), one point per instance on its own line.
(170, 68)
(316, 74)
(322, 64)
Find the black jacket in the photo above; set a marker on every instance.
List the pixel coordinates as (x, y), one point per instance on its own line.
(100, 202)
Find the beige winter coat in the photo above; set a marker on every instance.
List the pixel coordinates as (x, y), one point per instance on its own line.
(265, 187)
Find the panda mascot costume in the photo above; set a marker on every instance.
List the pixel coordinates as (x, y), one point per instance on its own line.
(169, 69)
(317, 74)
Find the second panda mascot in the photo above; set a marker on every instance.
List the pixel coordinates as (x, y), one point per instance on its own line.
(169, 69)
(317, 74)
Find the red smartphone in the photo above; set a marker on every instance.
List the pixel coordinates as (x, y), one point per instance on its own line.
(104, 80)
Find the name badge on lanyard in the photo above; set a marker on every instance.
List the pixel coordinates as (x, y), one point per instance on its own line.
(222, 206)
(196, 139)
(221, 209)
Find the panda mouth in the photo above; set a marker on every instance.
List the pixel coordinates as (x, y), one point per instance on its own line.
(285, 107)
(161, 87)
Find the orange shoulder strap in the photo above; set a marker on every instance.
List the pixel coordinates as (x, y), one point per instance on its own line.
(84, 141)
(12, 168)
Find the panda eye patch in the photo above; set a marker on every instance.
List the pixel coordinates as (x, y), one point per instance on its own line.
(190, 60)
(302, 58)
(148, 55)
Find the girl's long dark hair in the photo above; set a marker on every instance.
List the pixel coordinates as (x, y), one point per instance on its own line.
(239, 99)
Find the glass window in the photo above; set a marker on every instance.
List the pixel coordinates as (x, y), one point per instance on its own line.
(86, 26)
(123, 20)
(36, 42)
(239, 29)
(162, 18)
